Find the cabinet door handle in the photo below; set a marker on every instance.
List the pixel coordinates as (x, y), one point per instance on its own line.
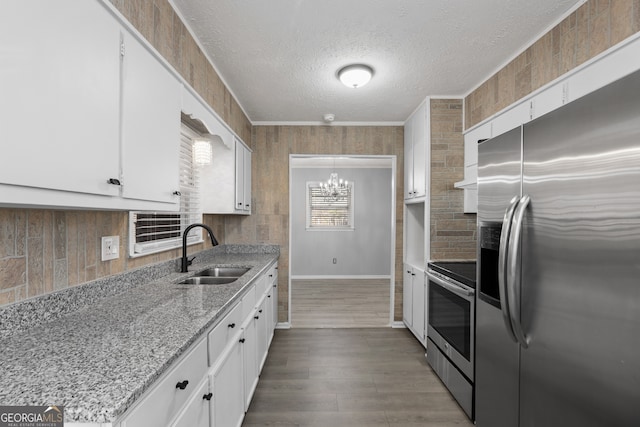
(231, 325)
(241, 340)
(182, 384)
(114, 181)
(259, 311)
(177, 193)
(207, 396)
(239, 203)
(268, 296)
(275, 286)
(256, 317)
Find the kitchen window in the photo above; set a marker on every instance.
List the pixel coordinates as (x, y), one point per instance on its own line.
(151, 232)
(329, 214)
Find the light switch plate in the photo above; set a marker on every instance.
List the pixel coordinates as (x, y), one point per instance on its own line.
(110, 247)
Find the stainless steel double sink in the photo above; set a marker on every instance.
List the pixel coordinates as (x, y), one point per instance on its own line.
(216, 276)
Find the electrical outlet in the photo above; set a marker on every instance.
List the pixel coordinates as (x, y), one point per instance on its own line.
(110, 247)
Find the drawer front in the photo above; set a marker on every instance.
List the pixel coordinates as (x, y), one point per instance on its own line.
(223, 332)
(165, 400)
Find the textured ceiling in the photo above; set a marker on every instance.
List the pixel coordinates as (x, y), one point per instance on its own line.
(280, 57)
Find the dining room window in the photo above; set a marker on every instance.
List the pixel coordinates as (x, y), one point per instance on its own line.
(327, 213)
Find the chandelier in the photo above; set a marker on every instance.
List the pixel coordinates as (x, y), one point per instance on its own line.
(334, 189)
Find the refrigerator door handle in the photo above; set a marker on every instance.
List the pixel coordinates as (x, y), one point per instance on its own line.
(503, 256)
(514, 274)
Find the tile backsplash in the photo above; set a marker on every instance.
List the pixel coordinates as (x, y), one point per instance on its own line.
(42, 251)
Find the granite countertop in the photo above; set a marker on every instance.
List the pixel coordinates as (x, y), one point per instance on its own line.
(99, 358)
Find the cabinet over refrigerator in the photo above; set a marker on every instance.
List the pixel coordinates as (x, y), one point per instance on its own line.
(558, 295)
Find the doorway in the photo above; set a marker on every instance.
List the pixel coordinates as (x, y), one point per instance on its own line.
(342, 272)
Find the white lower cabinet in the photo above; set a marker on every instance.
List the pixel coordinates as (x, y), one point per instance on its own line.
(407, 295)
(227, 387)
(414, 302)
(249, 342)
(213, 384)
(263, 320)
(196, 413)
(163, 402)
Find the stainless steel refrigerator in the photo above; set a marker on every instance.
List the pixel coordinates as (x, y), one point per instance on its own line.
(558, 300)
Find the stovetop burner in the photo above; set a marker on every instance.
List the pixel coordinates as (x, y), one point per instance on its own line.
(461, 271)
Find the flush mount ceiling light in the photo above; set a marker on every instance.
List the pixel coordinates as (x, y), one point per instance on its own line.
(355, 75)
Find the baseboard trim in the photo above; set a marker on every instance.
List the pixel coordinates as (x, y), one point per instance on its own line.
(283, 325)
(342, 277)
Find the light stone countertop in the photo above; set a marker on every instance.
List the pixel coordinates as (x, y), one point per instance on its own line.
(98, 359)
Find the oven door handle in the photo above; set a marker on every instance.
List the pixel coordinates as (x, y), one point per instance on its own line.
(458, 290)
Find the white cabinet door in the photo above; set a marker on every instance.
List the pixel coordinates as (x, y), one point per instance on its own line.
(247, 180)
(416, 144)
(249, 343)
(151, 102)
(59, 80)
(408, 159)
(420, 151)
(418, 300)
(196, 412)
(262, 331)
(169, 395)
(548, 100)
(515, 116)
(273, 298)
(243, 178)
(407, 295)
(227, 384)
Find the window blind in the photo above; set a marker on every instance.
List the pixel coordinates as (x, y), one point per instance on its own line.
(325, 213)
(159, 231)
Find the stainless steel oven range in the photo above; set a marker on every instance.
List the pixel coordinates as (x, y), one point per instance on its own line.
(451, 327)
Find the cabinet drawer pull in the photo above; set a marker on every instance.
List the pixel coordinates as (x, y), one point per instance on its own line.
(268, 296)
(231, 325)
(241, 340)
(177, 193)
(275, 286)
(207, 396)
(182, 384)
(259, 311)
(113, 181)
(256, 317)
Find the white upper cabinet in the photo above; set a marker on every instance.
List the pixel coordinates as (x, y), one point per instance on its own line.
(243, 178)
(225, 183)
(59, 108)
(416, 144)
(151, 103)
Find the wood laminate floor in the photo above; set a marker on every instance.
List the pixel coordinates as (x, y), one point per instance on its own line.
(340, 303)
(369, 377)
